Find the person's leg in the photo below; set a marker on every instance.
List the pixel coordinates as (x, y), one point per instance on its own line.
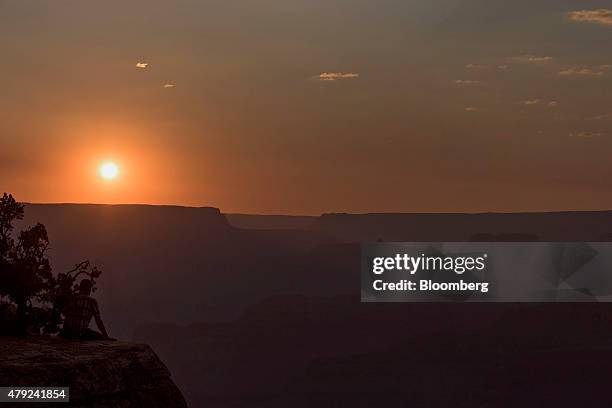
(65, 335)
(89, 334)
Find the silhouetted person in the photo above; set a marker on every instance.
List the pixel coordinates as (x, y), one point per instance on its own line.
(78, 313)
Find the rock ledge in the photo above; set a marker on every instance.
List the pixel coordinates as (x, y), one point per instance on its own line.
(99, 374)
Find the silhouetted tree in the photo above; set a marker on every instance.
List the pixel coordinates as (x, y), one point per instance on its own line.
(26, 277)
(10, 211)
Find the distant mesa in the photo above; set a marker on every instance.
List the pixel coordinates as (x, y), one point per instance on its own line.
(270, 222)
(517, 237)
(450, 227)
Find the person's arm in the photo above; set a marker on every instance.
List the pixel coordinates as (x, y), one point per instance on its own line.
(99, 321)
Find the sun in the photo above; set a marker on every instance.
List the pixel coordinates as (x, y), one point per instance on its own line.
(109, 170)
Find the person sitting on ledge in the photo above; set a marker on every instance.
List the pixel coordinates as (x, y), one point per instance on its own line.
(78, 313)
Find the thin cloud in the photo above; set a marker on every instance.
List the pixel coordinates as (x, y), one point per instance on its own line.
(534, 59)
(531, 102)
(475, 66)
(334, 76)
(503, 66)
(466, 82)
(169, 85)
(603, 117)
(553, 104)
(142, 65)
(470, 109)
(581, 72)
(599, 16)
(586, 135)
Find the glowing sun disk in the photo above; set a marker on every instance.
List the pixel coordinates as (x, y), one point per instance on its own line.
(109, 170)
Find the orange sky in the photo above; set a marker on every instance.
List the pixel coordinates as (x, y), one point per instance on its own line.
(304, 107)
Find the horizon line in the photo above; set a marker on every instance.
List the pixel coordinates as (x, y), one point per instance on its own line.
(323, 213)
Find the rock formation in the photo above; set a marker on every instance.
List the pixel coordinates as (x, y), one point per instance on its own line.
(99, 374)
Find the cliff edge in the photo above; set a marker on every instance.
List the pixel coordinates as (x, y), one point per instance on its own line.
(99, 374)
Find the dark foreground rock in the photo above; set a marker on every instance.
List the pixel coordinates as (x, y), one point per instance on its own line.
(99, 374)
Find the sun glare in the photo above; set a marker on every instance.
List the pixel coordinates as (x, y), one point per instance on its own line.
(109, 170)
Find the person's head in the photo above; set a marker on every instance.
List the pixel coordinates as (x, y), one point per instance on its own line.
(85, 287)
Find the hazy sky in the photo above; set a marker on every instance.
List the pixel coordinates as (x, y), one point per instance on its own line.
(309, 106)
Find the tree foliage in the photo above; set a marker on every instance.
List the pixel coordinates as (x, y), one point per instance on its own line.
(26, 276)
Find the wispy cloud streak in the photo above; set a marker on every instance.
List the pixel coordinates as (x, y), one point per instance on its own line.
(599, 16)
(334, 76)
